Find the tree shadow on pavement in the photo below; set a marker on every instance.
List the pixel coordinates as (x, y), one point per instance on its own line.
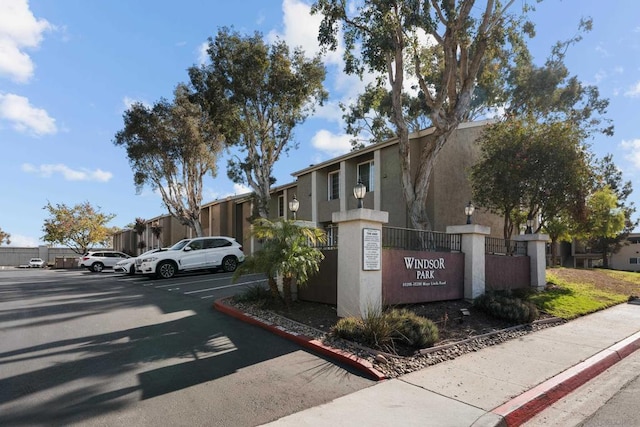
(74, 379)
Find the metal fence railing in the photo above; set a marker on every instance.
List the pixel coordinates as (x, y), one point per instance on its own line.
(331, 232)
(498, 246)
(419, 240)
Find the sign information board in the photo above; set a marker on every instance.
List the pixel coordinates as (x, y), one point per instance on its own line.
(371, 249)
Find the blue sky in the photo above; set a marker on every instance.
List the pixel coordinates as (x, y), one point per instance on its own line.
(70, 68)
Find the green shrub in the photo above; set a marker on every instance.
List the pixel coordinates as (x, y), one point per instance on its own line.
(412, 330)
(386, 330)
(508, 307)
(348, 328)
(377, 331)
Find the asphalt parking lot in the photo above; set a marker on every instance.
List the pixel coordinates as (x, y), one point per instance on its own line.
(82, 348)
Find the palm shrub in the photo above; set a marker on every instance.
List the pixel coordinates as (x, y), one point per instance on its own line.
(288, 250)
(262, 261)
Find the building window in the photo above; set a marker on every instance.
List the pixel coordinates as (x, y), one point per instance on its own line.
(334, 185)
(281, 206)
(365, 175)
(633, 260)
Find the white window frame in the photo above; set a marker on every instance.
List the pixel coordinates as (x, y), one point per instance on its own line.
(371, 186)
(330, 185)
(281, 209)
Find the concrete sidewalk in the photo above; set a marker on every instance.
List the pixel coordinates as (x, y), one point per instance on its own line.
(503, 385)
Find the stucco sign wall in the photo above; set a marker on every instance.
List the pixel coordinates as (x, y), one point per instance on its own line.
(416, 276)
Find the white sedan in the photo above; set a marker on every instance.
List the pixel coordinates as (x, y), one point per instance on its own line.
(37, 263)
(128, 265)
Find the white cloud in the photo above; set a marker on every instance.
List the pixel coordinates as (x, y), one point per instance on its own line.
(19, 29)
(331, 143)
(301, 29)
(634, 91)
(128, 102)
(46, 171)
(203, 55)
(240, 189)
(24, 116)
(633, 151)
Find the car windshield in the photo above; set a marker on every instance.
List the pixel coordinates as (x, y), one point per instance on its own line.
(178, 246)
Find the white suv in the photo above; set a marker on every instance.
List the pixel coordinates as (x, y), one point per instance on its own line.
(193, 254)
(97, 261)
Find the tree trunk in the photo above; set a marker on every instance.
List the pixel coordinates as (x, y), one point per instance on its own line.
(554, 252)
(605, 257)
(273, 286)
(286, 290)
(197, 227)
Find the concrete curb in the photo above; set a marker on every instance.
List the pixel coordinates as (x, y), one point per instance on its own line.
(524, 407)
(312, 344)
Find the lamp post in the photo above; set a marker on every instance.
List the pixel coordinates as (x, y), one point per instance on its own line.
(359, 192)
(294, 205)
(468, 211)
(529, 229)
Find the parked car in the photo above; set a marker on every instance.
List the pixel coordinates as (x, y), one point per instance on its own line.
(97, 261)
(128, 265)
(37, 263)
(199, 253)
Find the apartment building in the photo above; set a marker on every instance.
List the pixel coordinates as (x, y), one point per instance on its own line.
(327, 187)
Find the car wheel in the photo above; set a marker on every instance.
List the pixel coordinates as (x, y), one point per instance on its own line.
(132, 270)
(229, 264)
(97, 267)
(166, 270)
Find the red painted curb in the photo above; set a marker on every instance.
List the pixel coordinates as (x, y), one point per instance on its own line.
(341, 356)
(524, 407)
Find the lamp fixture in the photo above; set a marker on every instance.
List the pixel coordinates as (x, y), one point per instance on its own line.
(468, 211)
(359, 192)
(294, 205)
(529, 229)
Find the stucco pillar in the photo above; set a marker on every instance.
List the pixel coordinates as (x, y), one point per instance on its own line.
(359, 260)
(472, 245)
(537, 258)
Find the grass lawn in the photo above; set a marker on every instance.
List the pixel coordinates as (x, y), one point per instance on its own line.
(572, 292)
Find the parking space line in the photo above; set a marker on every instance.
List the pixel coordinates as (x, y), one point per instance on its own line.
(223, 287)
(199, 281)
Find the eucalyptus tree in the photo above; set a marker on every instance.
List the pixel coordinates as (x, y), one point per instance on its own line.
(171, 147)
(447, 62)
(260, 93)
(446, 47)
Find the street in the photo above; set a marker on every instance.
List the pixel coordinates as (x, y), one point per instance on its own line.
(108, 349)
(610, 399)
